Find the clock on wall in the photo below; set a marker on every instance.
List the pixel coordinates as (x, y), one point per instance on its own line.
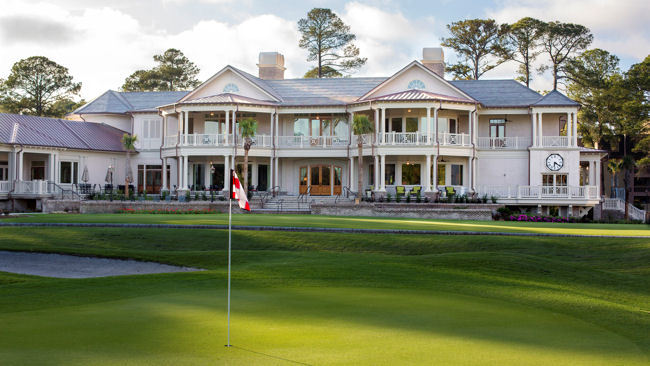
(554, 162)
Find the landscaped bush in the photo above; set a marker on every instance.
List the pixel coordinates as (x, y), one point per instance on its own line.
(186, 211)
(539, 218)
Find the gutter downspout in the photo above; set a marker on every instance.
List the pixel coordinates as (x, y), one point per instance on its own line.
(475, 131)
(13, 186)
(178, 141)
(162, 144)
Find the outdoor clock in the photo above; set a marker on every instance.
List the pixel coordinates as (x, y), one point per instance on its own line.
(554, 162)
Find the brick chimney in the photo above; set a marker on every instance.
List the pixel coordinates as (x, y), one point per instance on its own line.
(434, 59)
(271, 66)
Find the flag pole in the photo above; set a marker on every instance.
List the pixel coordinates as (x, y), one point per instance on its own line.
(229, 250)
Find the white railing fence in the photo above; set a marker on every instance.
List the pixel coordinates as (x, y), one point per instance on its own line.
(31, 187)
(259, 141)
(5, 186)
(171, 140)
(555, 141)
(617, 204)
(405, 138)
(312, 142)
(504, 143)
(512, 191)
(453, 139)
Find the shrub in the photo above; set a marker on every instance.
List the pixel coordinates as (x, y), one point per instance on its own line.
(408, 198)
(418, 197)
(540, 218)
(494, 199)
(388, 197)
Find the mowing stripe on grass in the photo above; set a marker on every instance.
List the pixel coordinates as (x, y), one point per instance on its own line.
(306, 229)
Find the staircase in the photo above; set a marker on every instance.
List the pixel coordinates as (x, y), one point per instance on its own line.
(295, 204)
(617, 204)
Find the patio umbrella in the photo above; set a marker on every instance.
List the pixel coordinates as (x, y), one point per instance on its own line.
(84, 175)
(109, 175)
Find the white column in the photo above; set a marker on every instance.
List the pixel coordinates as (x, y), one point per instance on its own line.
(207, 175)
(533, 119)
(185, 172)
(19, 164)
(234, 126)
(225, 133)
(277, 172)
(574, 134)
(186, 122)
(470, 174)
(277, 130)
(382, 178)
(470, 126)
(382, 125)
(51, 168)
(164, 175)
(376, 126)
(427, 174)
(435, 173)
(352, 181)
(540, 130)
(597, 181)
(435, 123)
(226, 172)
(254, 180)
(376, 184)
(428, 129)
(271, 172)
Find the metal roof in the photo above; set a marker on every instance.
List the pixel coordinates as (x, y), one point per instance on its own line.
(420, 95)
(327, 91)
(555, 98)
(227, 98)
(52, 132)
(498, 93)
(122, 102)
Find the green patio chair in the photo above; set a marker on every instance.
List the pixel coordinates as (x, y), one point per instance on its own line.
(400, 191)
(415, 190)
(450, 191)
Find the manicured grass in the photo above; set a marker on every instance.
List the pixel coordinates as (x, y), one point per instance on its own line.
(347, 222)
(323, 298)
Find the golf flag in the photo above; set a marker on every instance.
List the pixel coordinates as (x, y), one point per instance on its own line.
(238, 192)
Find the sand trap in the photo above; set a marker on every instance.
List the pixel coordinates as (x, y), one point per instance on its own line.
(70, 266)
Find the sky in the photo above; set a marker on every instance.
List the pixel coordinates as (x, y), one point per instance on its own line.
(102, 42)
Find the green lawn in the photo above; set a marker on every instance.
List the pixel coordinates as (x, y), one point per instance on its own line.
(346, 222)
(322, 299)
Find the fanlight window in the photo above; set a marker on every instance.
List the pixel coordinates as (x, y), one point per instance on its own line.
(230, 88)
(416, 84)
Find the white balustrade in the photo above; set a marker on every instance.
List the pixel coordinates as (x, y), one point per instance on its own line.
(32, 187)
(555, 141)
(5, 186)
(259, 141)
(454, 139)
(504, 143)
(171, 140)
(305, 142)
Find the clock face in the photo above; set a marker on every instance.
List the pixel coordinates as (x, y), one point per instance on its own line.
(554, 162)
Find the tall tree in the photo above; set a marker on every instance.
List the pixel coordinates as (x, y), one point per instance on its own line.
(128, 141)
(173, 71)
(595, 81)
(329, 42)
(560, 41)
(637, 79)
(523, 41)
(361, 126)
(248, 128)
(326, 72)
(35, 85)
(480, 45)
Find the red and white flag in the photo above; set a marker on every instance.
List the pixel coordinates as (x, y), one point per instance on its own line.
(238, 192)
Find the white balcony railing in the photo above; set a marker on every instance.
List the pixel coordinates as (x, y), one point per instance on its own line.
(32, 187)
(539, 192)
(365, 139)
(404, 138)
(504, 143)
(306, 142)
(5, 187)
(171, 140)
(259, 141)
(555, 141)
(453, 139)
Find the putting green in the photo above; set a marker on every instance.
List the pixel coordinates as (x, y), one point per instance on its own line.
(317, 326)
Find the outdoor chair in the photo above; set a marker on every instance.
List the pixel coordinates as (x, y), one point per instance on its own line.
(400, 191)
(414, 191)
(168, 198)
(450, 191)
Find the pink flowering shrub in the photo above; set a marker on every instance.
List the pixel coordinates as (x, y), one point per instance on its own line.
(539, 218)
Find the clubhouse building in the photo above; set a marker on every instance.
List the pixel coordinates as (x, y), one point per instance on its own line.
(471, 137)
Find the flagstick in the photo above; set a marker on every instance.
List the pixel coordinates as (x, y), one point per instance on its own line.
(229, 250)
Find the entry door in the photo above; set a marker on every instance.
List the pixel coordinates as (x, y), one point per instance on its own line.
(319, 179)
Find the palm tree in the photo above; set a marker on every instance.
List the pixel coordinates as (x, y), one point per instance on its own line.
(128, 141)
(248, 128)
(627, 165)
(614, 167)
(361, 125)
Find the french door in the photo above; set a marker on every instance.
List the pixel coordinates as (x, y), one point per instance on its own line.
(318, 180)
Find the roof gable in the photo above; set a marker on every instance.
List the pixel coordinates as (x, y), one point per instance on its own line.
(109, 102)
(232, 80)
(554, 99)
(415, 76)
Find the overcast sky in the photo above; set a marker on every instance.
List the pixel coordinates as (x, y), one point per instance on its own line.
(102, 42)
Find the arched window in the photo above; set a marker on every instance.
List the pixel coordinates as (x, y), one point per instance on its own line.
(416, 84)
(230, 88)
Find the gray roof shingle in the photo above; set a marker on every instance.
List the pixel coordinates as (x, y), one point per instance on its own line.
(53, 132)
(498, 93)
(555, 98)
(330, 91)
(121, 102)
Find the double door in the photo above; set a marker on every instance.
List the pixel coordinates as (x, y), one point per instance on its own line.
(320, 180)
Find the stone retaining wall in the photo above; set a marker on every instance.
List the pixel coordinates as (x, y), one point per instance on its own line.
(451, 211)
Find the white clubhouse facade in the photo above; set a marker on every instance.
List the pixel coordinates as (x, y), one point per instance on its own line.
(477, 137)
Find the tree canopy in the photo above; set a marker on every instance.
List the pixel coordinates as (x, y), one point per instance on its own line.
(523, 40)
(330, 43)
(173, 71)
(480, 45)
(560, 41)
(39, 86)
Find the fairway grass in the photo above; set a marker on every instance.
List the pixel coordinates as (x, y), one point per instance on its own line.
(331, 299)
(354, 222)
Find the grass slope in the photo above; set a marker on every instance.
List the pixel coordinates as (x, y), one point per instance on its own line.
(323, 298)
(347, 222)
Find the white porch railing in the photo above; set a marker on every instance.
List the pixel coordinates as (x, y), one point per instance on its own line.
(203, 140)
(555, 141)
(404, 138)
(5, 186)
(617, 204)
(32, 187)
(504, 143)
(540, 192)
(366, 140)
(259, 141)
(454, 139)
(171, 140)
(306, 142)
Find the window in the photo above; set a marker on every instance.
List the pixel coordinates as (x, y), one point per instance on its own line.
(211, 128)
(497, 128)
(456, 175)
(68, 172)
(442, 172)
(4, 171)
(38, 170)
(453, 127)
(416, 84)
(151, 129)
(562, 126)
(301, 127)
(371, 174)
(554, 184)
(584, 173)
(303, 176)
(390, 174)
(411, 174)
(340, 127)
(337, 175)
(396, 124)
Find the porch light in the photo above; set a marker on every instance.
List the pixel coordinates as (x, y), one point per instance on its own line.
(212, 113)
(408, 110)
